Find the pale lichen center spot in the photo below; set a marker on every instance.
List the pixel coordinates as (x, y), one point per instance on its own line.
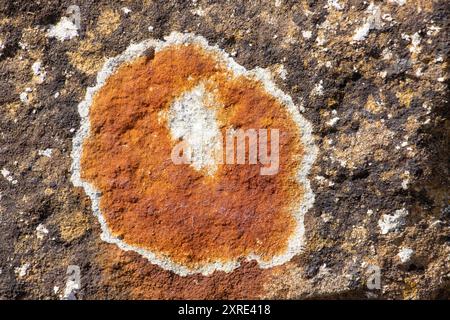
(192, 119)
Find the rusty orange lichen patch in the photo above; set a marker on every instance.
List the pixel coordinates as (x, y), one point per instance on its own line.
(184, 217)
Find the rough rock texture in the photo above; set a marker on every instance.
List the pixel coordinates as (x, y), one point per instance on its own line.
(372, 78)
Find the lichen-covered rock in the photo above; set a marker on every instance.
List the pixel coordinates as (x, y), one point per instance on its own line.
(371, 78)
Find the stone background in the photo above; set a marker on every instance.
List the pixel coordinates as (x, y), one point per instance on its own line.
(371, 77)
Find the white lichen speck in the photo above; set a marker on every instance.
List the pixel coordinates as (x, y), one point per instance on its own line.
(373, 21)
(8, 176)
(37, 71)
(41, 231)
(46, 153)
(388, 223)
(22, 270)
(335, 4)
(307, 34)
(65, 29)
(126, 10)
(405, 255)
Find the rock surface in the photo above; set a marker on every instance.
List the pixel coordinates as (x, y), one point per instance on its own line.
(371, 77)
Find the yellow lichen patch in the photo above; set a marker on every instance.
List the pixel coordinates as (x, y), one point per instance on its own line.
(87, 58)
(317, 243)
(412, 124)
(387, 175)
(49, 191)
(356, 236)
(331, 102)
(292, 34)
(410, 291)
(372, 105)
(108, 22)
(422, 5)
(405, 97)
(380, 155)
(8, 21)
(12, 108)
(74, 226)
(359, 233)
(371, 137)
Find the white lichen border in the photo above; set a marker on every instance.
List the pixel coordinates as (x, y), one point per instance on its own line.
(296, 241)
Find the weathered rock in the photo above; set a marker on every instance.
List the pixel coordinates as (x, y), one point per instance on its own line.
(371, 78)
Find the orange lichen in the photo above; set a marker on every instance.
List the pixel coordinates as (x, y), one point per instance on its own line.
(175, 210)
